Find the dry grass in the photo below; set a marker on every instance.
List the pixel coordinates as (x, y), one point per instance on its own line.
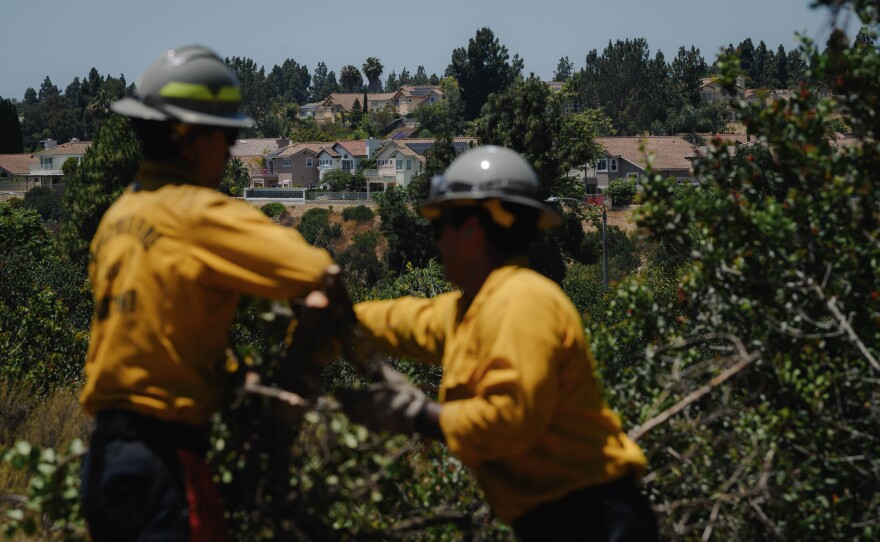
(51, 421)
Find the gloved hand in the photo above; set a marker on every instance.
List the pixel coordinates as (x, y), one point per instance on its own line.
(391, 403)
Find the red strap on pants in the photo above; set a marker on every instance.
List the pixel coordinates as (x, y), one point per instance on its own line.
(206, 523)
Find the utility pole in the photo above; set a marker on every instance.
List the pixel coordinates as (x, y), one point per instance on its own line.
(604, 246)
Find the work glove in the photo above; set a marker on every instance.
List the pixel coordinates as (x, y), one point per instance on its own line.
(391, 403)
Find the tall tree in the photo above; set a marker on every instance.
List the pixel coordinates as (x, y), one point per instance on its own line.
(10, 129)
(392, 84)
(420, 77)
(761, 69)
(107, 167)
(289, 82)
(404, 79)
(48, 90)
(779, 69)
(254, 90)
(527, 117)
(321, 87)
(797, 69)
(686, 72)
(373, 71)
(356, 114)
(564, 70)
(745, 51)
(626, 83)
(483, 67)
(350, 79)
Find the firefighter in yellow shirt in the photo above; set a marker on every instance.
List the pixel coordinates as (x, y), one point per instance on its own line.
(519, 403)
(168, 263)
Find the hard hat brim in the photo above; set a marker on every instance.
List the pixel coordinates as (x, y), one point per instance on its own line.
(130, 107)
(548, 217)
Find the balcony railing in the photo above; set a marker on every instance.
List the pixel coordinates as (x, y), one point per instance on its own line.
(45, 170)
(382, 172)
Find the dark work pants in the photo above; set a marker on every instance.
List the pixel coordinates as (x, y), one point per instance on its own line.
(140, 494)
(133, 484)
(613, 512)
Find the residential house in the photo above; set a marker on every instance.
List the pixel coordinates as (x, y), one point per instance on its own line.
(47, 171)
(626, 157)
(408, 98)
(16, 167)
(309, 111)
(399, 160)
(396, 164)
(344, 155)
(339, 103)
(253, 153)
(405, 100)
(295, 165)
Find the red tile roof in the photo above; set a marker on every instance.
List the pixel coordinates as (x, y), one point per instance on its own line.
(355, 148)
(670, 152)
(296, 148)
(18, 164)
(256, 147)
(73, 148)
(346, 100)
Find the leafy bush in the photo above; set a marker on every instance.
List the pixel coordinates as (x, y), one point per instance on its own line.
(409, 236)
(316, 228)
(273, 209)
(360, 213)
(337, 180)
(46, 201)
(776, 289)
(621, 191)
(45, 305)
(361, 266)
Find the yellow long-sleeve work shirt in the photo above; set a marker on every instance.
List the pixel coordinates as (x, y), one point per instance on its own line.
(521, 406)
(168, 264)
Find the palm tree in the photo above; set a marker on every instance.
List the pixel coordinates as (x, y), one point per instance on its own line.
(373, 70)
(350, 79)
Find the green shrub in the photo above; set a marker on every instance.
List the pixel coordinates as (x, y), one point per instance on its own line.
(337, 180)
(274, 209)
(359, 261)
(316, 228)
(360, 213)
(46, 201)
(621, 191)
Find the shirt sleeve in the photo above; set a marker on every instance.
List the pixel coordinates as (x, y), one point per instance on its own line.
(241, 249)
(410, 327)
(515, 383)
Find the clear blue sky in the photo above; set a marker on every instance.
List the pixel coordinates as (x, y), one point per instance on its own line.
(64, 39)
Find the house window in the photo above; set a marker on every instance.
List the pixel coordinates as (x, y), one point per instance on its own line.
(632, 176)
(614, 164)
(308, 162)
(399, 165)
(46, 162)
(409, 165)
(325, 161)
(602, 165)
(285, 162)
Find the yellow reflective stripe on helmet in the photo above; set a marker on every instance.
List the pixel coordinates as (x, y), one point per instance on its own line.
(199, 93)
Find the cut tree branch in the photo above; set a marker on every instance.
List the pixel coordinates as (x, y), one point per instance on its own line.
(745, 359)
